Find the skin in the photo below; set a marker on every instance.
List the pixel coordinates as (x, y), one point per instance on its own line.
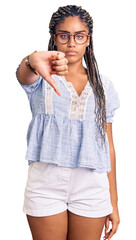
(40, 62)
(76, 69)
(75, 66)
(114, 217)
(66, 225)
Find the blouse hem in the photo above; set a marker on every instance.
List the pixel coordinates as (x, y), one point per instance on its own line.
(92, 168)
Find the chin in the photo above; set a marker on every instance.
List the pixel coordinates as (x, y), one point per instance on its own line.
(73, 59)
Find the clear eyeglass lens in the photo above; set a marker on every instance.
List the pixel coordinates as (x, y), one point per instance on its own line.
(64, 38)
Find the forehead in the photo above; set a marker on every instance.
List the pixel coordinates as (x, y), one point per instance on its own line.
(72, 24)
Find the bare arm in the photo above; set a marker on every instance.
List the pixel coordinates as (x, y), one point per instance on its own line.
(25, 75)
(112, 173)
(40, 62)
(114, 217)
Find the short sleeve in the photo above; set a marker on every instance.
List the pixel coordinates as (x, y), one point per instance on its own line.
(31, 88)
(112, 101)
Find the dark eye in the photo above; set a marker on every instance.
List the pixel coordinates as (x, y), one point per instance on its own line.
(63, 36)
(79, 36)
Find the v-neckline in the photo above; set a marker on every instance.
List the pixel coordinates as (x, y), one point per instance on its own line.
(71, 87)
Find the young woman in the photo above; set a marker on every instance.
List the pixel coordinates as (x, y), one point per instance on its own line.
(71, 190)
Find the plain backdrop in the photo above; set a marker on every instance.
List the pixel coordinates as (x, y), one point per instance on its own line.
(24, 28)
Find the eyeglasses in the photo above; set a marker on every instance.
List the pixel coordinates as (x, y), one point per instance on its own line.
(64, 38)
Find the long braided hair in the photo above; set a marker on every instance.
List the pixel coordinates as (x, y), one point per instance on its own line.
(92, 67)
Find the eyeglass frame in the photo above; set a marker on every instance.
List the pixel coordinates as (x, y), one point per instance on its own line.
(69, 35)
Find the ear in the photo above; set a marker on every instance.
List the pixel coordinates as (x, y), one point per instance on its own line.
(88, 41)
(87, 44)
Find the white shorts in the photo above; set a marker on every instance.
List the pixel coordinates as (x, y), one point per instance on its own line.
(51, 189)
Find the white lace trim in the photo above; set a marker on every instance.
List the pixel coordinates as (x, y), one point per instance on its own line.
(78, 103)
(48, 98)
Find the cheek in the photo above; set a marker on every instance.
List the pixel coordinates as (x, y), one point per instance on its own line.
(60, 48)
(83, 50)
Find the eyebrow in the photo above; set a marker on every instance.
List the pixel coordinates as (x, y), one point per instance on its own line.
(69, 32)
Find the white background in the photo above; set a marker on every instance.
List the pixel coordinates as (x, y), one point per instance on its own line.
(24, 28)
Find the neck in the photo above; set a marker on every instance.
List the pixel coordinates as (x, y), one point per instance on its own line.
(76, 68)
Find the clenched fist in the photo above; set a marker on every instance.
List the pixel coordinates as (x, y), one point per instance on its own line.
(47, 63)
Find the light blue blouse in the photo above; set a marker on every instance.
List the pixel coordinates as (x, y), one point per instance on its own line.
(62, 128)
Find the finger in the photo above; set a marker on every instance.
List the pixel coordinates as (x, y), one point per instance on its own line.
(51, 81)
(105, 231)
(51, 59)
(60, 55)
(113, 231)
(62, 73)
(53, 72)
(60, 68)
(54, 57)
(56, 54)
(107, 223)
(58, 62)
(107, 235)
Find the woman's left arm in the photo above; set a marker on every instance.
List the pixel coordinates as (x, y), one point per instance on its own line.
(114, 216)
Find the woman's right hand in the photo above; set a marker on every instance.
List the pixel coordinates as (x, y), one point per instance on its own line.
(39, 60)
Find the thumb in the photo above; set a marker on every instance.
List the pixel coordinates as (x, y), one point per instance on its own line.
(51, 81)
(55, 55)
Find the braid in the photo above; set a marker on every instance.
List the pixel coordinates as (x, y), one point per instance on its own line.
(96, 84)
(92, 67)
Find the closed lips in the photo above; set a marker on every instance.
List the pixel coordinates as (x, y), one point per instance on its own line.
(71, 52)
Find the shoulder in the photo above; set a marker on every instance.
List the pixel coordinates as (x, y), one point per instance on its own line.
(108, 85)
(106, 82)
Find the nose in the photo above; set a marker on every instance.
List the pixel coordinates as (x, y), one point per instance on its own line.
(71, 42)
